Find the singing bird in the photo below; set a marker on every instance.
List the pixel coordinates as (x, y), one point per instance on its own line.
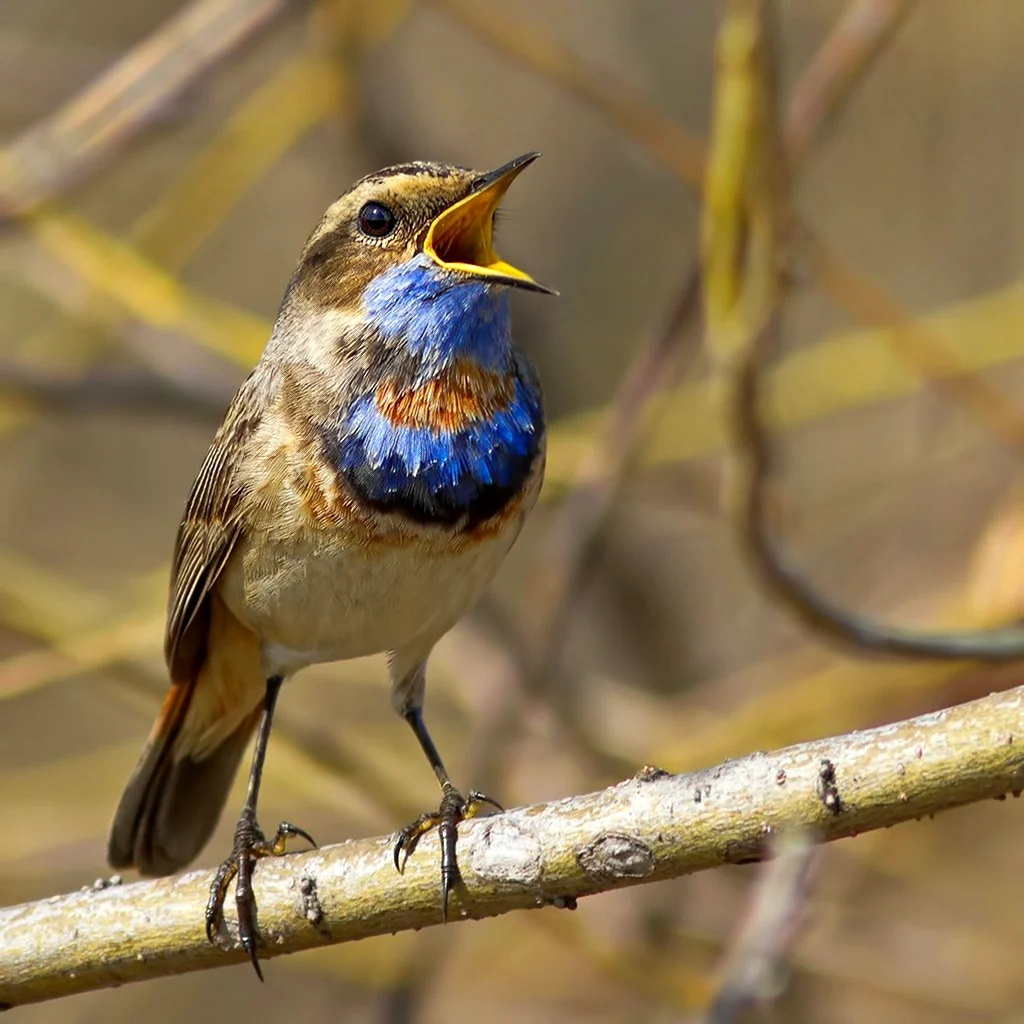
(370, 476)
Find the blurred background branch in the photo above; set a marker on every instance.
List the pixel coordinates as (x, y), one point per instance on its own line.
(127, 98)
(752, 970)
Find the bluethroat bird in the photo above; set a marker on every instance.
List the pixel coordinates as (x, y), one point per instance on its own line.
(370, 475)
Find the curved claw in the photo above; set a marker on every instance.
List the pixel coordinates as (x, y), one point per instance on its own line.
(454, 809)
(249, 847)
(475, 797)
(286, 831)
(249, 945)
(396, 853)
(410, 836)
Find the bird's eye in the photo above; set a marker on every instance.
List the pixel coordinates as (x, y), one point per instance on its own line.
(376, 220)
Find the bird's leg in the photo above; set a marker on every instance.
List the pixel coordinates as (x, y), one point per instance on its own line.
(454, 808)
(250, 845)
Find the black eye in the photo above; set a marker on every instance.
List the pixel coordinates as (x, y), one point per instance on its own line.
(376, 220)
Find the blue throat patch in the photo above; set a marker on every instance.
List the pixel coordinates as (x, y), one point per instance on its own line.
(436, 475)
(419, 306)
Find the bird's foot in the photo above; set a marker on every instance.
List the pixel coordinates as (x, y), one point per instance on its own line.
(454, 808)
(250, 846)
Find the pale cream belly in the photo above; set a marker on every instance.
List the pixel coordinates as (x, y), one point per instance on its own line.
(331, 602)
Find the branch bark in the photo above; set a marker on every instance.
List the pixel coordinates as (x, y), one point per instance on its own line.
(652, 827)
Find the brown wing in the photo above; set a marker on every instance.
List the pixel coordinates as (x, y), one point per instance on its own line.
(210, 528)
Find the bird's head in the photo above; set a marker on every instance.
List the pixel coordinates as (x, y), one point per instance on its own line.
(399, 305)
(436, 217)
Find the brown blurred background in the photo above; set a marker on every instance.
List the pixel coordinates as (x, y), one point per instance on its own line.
(134, 301)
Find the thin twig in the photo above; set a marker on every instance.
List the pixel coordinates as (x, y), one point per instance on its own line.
(752, 965)
(652, 827)
(601, 474)
(125, 98)
(658, 133)
(113, 388)
(860, 296)
(598, 481)
(999, 644)
(857, 40)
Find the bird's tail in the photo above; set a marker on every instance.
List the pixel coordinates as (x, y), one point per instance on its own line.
(174, 797)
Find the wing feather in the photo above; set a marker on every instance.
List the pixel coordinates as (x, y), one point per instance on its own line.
(211, 526)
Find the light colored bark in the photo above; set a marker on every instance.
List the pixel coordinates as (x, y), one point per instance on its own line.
(651, 827)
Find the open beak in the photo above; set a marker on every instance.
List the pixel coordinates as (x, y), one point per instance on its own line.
(462, 238)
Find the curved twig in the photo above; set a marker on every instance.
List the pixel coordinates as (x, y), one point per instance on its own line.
(782, 575)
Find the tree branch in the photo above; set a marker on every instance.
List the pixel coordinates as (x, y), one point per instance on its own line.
(651, 827)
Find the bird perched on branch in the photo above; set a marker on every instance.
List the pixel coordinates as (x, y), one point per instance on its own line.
(370, 476)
